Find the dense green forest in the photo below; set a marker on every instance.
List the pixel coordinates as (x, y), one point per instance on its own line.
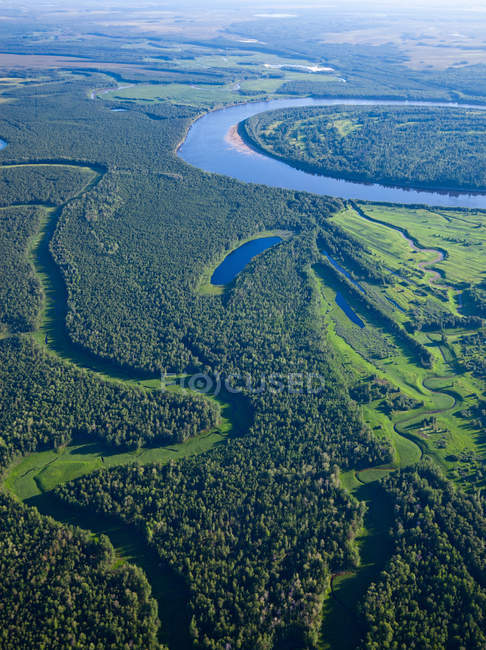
(45, 403)
(209, 516)
(255, 544)
(443, 146)
(63, 588)
(20, 293)
(134, 299)
(259, 526)
(48, 184)
(432, 592)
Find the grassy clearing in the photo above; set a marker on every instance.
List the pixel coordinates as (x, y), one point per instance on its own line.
(200, 95)
(447, 391)
(444, 391)
(271, 85)
(259, 74)
(43, 471)
(461, 233)
(342, 626)
(257, 62)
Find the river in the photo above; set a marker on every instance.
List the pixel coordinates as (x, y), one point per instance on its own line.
(208, 146)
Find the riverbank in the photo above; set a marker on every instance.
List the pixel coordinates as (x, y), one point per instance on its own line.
(211, 145)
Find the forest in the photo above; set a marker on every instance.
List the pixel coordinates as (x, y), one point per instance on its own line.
(260, 527)
(45, 404)
(65, 588)
(20, 293)
(432, 590)
(115, 279)
(366, 144)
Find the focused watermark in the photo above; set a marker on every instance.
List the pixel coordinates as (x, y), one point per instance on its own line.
(292, 383)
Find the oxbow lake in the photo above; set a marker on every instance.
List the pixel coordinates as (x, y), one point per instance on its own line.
(236, 261)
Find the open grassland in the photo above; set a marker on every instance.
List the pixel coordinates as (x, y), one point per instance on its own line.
(411, 268)
(256, 62)
(204, 95)
(43, 471)
(461, 233)
(441, 425)
(240, 76)
(445, 392)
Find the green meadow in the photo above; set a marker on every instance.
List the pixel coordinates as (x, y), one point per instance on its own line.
(254, 75)
(441, 426)
(460, 233)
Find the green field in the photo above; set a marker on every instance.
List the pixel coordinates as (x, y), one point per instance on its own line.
(446, 390)
(254, 74)
(460, 233)
(203, 95)
(43, 471)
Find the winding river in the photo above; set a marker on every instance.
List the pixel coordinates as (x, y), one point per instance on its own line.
(208, 147)
(211, 145)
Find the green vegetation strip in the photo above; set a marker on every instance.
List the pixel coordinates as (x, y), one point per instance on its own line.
(33, 478)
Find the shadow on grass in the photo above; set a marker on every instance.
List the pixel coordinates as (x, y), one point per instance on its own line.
(343, 625)
(168, 588)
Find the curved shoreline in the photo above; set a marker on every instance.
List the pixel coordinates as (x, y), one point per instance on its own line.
(211, 144)
(248, 144)
(237, 141)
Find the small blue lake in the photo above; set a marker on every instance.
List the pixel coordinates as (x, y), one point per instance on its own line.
(236, 261)
(340, 299)
(3, 144)
(343, 271)
(348, 310)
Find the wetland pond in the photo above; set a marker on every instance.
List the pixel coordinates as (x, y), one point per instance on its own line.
(237, 260)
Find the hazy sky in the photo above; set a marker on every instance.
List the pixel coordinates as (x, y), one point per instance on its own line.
(362, 5)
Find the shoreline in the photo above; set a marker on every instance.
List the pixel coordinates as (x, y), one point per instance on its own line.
(234, 139)
(248, 146)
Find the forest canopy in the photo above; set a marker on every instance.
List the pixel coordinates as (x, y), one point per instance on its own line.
(411, 146)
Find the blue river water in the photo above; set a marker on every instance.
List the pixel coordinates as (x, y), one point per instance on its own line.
(209, 147)
(236, 261)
